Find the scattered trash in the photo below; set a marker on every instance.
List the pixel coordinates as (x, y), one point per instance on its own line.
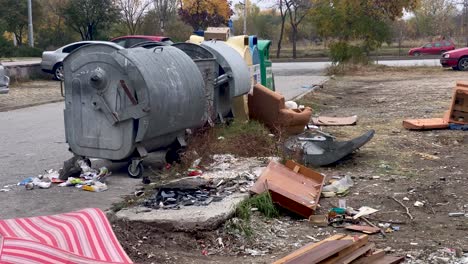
(342, 203)
(95, 186)
(145, 180)
(418, 204)
(194, 172)
(319, 220)
(29, 186)
(334, 121)
(340, 187)
(195, 191)
(5, 190)
(405, 199)
(428, 156)
(364, 229)
(413, 243)
(292, 186)
(221, 138)
(139, 193)
(457, 214)
(340, 248)
(291, 105)
(364, 211)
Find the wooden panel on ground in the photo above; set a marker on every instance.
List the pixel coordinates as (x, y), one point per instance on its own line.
(363, 229)
(379, 253)
(306, 248)
(321, 252)
(361, 241)
(356, 254)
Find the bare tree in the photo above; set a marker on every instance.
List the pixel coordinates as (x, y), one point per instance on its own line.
(133, 12)
(164, 9)
(297, 10)
(283, 13)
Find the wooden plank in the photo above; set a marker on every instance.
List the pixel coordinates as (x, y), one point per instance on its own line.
(356, 254)
(363, 229)
(361, 241)
(321, 252)
(388, 260)
(379, 253)
(307, 247)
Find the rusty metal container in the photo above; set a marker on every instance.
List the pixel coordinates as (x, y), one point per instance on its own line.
(121, 104)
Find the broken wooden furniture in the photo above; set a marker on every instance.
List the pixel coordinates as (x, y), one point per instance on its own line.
(457, 114)
(292, 186)
(340, 249)
(268, 108)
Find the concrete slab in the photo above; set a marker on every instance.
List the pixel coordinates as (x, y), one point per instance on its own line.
(188, 218)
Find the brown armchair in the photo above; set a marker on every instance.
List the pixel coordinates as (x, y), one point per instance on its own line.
(268, 108)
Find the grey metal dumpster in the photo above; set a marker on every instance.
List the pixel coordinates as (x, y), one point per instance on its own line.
(4, 81)
(234, 75)
(121, 104)
(209, 68)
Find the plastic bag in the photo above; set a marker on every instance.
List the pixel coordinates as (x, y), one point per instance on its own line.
(340, 186)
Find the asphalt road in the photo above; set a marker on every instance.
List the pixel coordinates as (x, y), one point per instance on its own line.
(32, 140)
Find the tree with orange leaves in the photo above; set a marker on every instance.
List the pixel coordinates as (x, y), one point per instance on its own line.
(201, 14)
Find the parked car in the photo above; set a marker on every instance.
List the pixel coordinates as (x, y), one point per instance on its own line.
(433, 48)
(129, 41)
(457, 59)
(52, 60)
(4, 81)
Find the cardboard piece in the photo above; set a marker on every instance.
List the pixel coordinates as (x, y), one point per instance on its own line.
(334, 121)
(364, 229)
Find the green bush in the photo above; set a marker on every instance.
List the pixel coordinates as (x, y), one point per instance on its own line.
(6, 48)
(25, 51)
(341, 52)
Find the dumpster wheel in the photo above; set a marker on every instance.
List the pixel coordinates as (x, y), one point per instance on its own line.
(135, 171)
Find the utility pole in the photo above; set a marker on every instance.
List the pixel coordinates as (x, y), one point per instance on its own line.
(30, 24)
(245, 17)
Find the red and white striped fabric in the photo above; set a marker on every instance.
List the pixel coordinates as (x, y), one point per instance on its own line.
(83, 236)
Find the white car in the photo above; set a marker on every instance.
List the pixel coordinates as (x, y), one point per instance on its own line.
(52, 60)
(4, 81)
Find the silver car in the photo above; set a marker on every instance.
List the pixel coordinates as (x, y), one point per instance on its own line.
(52, 60)
(4, 81)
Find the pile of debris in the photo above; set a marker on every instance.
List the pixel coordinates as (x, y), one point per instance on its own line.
(340, 249)
(86, 178)
(197, 191)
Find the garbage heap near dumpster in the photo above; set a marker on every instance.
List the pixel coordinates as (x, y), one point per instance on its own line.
(121, 104)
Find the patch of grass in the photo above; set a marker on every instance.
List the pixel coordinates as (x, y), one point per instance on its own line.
(262, 202)
(242, 139)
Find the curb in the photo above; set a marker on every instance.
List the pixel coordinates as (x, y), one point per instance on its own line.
(11, 108)
(314, 87)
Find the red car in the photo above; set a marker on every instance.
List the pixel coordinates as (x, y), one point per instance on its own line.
(129, 41)
(457, 59)
(434, 48)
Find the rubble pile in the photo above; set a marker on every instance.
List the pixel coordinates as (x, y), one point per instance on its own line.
(197, 191)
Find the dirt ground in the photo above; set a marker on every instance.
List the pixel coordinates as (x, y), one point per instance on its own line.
(382, 99)
(25, 94)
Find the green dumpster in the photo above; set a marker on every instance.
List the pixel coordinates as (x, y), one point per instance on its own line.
(266, 72)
